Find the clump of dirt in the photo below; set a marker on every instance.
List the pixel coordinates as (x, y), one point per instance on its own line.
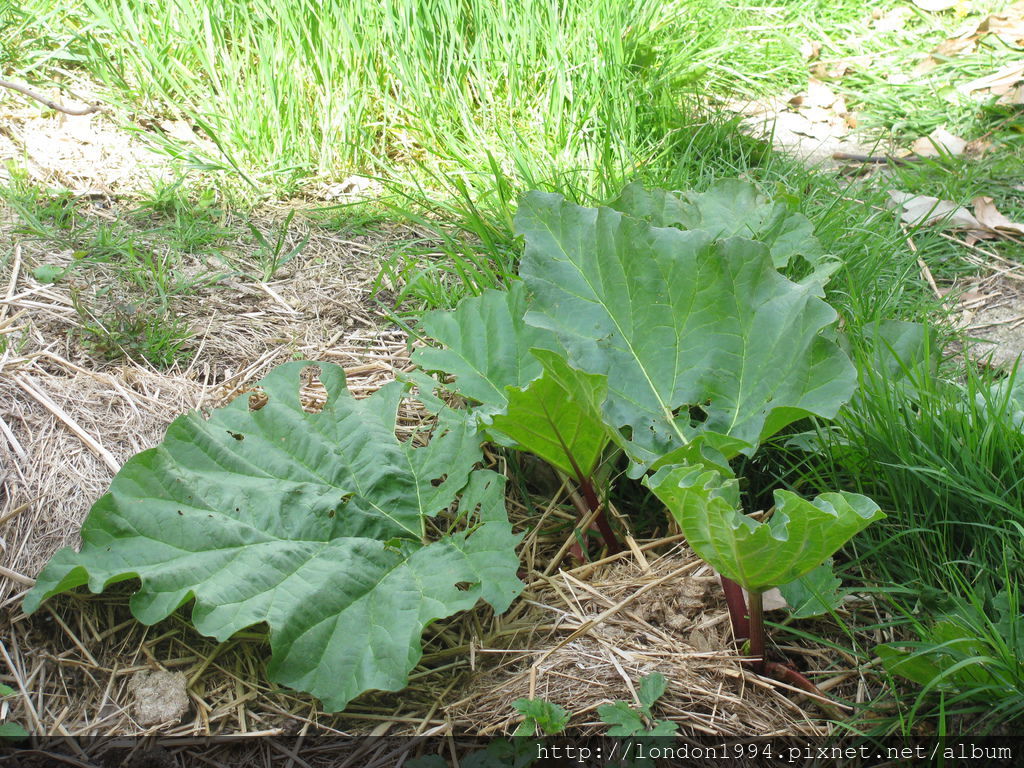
(159, 697)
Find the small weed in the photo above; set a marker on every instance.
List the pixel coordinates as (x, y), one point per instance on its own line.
(192, 223)
(638, 723)
(103, 243)
(42, 212)
(133, 332)
(540, 714)
(271, 256)
(10, 732)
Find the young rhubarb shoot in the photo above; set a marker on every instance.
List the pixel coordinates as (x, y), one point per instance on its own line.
(758, 555)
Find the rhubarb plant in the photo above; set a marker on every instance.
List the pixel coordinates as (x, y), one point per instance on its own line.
(664, 327)
(317, 524)
(663, 332)
(759, 555)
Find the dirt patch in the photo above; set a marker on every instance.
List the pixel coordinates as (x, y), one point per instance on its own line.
(989, 312)
(87, 154)
(814, 126)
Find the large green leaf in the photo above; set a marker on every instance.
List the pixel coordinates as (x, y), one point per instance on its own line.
(730, 207)
(558, 416)
(311, 522)
(798, 537)
(695, 335)
(486, 346)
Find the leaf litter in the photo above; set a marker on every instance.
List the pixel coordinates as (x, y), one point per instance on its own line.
(986, 223)
(973, 68)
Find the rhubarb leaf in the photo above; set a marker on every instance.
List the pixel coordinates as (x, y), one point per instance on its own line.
(731, 207)
(486, 346)
(798, 537)
(815, 593)
(313, 523)
(694, 335)
(558, 416)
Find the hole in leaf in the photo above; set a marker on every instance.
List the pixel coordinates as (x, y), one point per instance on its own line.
(438, 480)
(312, 392)
(463, 586)
(236, 435)
(258, 399)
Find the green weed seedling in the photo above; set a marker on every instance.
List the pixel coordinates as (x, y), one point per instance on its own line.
(271, 256)
(500, 753)
(10, 732)
(48, 273)
(542, 715)
(134, 332)
(192, 222)
(638, 723)
(45, 213)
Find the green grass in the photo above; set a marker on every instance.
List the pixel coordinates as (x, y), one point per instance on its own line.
(575, 93)
(937, 444)
(127, 278)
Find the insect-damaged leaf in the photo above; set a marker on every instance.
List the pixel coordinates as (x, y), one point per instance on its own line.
(527, 395)
(799, 536)
(694, 334)
(311, 522)
(731, 207)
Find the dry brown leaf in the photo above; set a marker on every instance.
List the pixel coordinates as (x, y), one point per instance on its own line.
(928, 211)
(810, 49)
(797, 123)
(819, 94)
(954, 46)
(923, 67)
(938, 142)
(998, 82)
(837, 70)
(1008, 24)
(977, 147)
(990, 217)
(1013, 97)
(891, 21)
(817, 114)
